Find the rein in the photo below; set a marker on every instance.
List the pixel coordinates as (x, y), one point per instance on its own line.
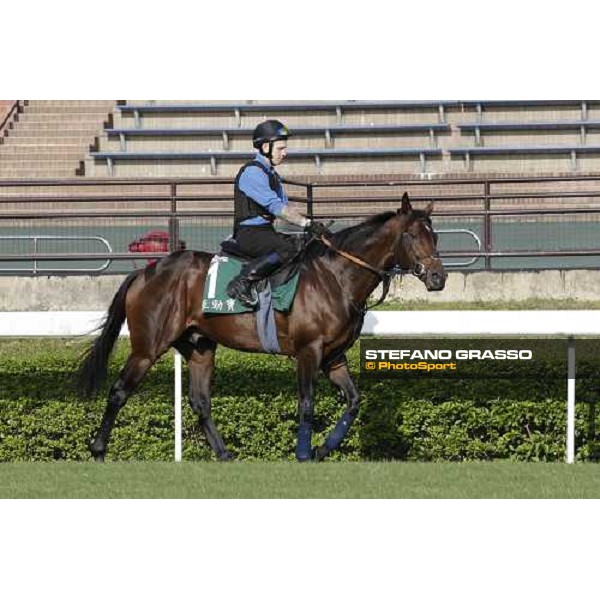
(355, 259)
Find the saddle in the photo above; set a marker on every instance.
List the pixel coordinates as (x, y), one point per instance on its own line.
(278, 289)
(231, 248)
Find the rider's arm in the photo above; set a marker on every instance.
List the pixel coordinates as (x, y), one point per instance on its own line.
(255, 184)
(293, 216)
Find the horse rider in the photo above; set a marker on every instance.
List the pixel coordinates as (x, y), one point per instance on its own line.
(259, 198)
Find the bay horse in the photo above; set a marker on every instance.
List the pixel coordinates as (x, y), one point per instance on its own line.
(162, 305)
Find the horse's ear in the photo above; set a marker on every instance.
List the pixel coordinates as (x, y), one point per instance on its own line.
(429, 209)
(406, 205)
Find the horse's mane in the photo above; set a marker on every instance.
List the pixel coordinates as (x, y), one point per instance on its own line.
(354, 238)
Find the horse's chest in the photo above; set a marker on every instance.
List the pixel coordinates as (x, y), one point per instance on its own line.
(347, 333)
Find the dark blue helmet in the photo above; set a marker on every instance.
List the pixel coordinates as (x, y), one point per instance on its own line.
(269, 131)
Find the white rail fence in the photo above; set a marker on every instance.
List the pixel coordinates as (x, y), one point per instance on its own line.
(564, 323)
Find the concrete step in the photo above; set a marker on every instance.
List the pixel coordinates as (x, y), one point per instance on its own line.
(48, 145)
(65, 108)
(42, 161)
(37, 153)
(85, 118)
(56, 170)
(65, 116)
(38, 174)
(51, 136)
(71, 106)
(59, 126)
(36, 143)
(65, 101)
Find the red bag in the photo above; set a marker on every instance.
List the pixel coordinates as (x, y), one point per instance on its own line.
(153, 241)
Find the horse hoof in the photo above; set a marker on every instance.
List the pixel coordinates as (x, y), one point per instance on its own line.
(304, 457)
(225, 456)
(318, 454)
(97, 454)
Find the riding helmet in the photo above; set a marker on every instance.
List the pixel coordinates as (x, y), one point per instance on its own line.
(269, 131)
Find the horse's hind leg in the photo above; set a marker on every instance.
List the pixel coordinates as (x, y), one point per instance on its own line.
(133, 372)
(339, 376)
(201, 364)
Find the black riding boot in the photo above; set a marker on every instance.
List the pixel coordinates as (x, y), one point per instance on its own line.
(242, 287)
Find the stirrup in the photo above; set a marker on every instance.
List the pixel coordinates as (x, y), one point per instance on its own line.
(250, 301)
(244, 292)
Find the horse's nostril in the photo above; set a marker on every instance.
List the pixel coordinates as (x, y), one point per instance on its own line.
(436, 279)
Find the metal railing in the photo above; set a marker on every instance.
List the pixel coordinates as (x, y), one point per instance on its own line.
(465, 232)
(35, 241)
(477, 209)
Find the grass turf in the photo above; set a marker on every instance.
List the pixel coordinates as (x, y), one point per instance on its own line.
(292, 480)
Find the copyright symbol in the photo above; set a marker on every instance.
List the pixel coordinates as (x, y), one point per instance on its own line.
(370, 366)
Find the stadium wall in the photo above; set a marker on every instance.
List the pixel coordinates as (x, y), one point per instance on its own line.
(25, 293)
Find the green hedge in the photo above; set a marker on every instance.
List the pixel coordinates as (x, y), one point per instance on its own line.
(254, 406)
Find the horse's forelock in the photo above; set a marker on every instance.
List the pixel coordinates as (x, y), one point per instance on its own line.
(421, 215)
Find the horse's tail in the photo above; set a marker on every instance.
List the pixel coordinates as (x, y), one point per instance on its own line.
(94, 365)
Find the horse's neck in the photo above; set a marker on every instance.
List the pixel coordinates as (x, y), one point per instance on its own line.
(359, 282)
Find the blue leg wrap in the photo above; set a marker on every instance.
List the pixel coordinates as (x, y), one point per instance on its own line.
(304, 447)
(334, 439)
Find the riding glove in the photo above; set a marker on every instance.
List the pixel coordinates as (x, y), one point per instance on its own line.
(317, 229)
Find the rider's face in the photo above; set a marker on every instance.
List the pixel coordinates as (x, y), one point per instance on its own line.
(279, 153)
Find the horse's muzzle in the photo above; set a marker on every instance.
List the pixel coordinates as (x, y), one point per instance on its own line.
(434, 277)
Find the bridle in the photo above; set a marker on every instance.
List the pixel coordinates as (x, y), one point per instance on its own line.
(385, 275)
(419, 270)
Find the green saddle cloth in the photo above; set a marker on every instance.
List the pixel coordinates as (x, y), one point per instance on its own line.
(221, 271)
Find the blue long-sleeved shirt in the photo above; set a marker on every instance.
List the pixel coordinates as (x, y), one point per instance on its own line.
(254, 182)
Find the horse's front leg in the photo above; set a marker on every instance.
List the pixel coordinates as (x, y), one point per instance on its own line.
(339, 376)
(309, 360)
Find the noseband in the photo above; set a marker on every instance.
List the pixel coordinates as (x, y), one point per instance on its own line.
(419, 270)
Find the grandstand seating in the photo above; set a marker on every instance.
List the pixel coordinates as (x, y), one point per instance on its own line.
(572, 151)
(327, 132)
(482, 105)
(239, 109)
(420, 137)
(581, 127)
(315, 155)
(331, 138)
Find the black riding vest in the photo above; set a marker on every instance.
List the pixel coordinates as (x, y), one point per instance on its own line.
(244, 206)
